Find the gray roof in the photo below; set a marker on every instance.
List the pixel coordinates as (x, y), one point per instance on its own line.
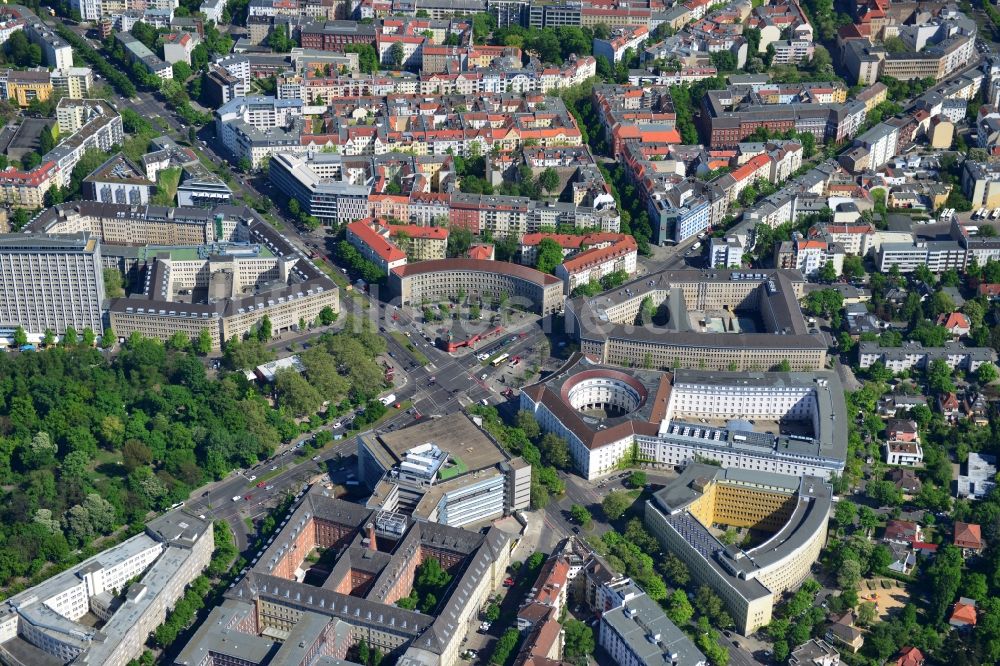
(650, 635)
(777, 298)
(814, 498)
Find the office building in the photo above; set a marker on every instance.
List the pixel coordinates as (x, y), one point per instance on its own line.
(128, 589)
(791, 510)
(234, 268)
(715, 320)
(445, 470)
(490, 281)
(608, 414)
(51, 282)
(286, 611)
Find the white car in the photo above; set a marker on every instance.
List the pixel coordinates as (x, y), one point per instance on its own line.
(252, 477)
(338, 424)
(236, 498)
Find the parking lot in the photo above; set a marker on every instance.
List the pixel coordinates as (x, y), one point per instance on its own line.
(26, 138)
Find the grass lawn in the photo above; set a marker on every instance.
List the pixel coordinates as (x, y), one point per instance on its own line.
(410, 347)
(265, 477)
(459, 467)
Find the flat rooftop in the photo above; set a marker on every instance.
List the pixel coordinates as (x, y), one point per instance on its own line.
(454, 434)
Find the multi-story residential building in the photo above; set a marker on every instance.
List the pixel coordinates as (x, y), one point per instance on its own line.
(73, 82)
(725, 253)
(373, 246)
(22, 87)
(914, 355)
(792, 51)
(51, 282)
(668, 431)
(809, 255)
(855, 238)
(621, 40)
(426, 481)
(902, 446)
(120, 181)
(605, 325)
(87, 124)
(419, 243)
(593, 264)
(748, 581)
(626, 630)
(56, 52)
(53, 616)
(981, 183)
(177, 46)
(137, 52)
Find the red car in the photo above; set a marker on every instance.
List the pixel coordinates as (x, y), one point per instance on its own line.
(262, 484)
(247, 497)
(508, 581)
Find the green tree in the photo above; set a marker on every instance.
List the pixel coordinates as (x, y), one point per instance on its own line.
(550, 255)
(578, 641)
(327, 316)
(637, 479)
(395, 56)
(986, 373)
(939, 376)
(108, 338)
(679, 609)
(203, 343)
(264, 329)
(555, 450)
(20, 336)
(549, 180)
(615, 504)
(854, 267)
(581, 515)
(367, 57)
(296, 394)
(828, 273)
(944, 576)
(279, 39)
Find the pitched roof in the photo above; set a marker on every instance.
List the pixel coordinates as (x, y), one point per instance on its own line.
(953, 320)
(964, 612)
(910, 656)
(968, 535)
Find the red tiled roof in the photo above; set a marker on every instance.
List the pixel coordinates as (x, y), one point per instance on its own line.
(910, 656)
(379, 245)
(963, 614)
(481, 252)
(953, 320)
(968, 535)
(598, 256)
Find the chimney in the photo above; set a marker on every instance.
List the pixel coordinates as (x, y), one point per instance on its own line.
(371, 536)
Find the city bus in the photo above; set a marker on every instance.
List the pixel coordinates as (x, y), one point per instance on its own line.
(499, 360)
